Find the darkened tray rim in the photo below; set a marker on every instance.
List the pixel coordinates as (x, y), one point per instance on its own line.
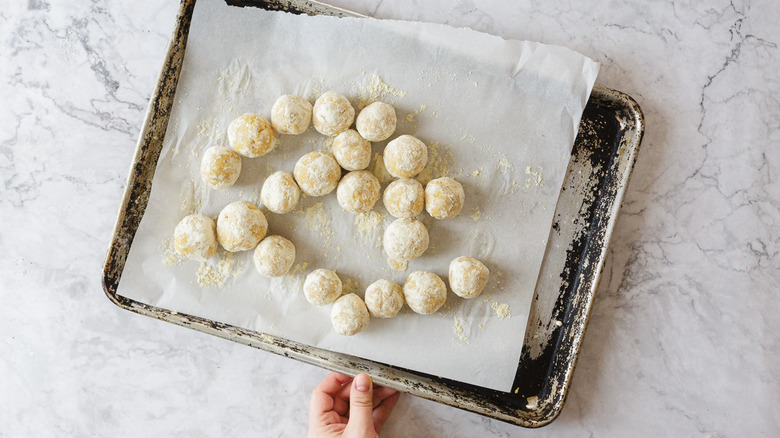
(508, 407)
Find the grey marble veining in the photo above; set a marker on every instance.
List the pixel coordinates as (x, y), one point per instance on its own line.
(683, 339)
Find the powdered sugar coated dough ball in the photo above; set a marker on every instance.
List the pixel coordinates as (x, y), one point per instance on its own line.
(220, 167)
(291, 114)
(405, 157)
(280, 193)
(332, 113)
(195, 237)
(425, 292)
(322, 286)
(404, 198)
(274, 256)
(349, 315)
(351, 150)
(317, 173)
(384, 299)
(241, 226)
(468, 277)
(405, 240)
(358, 191)
(376, 122)
(251, 135)
(444, 198)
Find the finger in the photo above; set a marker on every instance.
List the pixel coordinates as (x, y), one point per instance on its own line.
(332, 384)
(361, 406)
(341, 403)
(321, 397)
(341, 398)
(344, 391)
(383, 411)
(381, 393)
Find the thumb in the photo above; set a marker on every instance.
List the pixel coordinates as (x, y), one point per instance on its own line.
(361, 406)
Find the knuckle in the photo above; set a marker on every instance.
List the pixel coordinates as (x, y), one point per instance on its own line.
(362, 403)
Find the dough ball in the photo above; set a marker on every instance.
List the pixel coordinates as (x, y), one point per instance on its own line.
(444, 197)
(358, 191)
(274, 256)
(468, 276)
(405, 157)
(322, 286)
(291, 114)
(405, 240)
(384, 299)
(333, 114)
(241, 226)
(404, 198)
(317, 173)
(195, 237)
(425, 292)
(280, 193)
(349, 315)
(376, 122)
(220, 167)
(251, 135)
(352, 151)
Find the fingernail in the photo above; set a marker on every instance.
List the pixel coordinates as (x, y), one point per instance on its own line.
(362, 383)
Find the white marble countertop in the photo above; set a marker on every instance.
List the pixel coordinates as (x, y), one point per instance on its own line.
(684, 338)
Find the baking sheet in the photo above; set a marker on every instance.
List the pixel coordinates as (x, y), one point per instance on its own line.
(502, 124)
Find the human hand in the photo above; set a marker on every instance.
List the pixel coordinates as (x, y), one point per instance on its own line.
(349, 408)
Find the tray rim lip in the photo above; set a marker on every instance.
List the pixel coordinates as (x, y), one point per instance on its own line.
(549, 408)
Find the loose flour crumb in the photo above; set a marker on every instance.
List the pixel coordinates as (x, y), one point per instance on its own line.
(217, 274)
(327, 145)
(536, 177)
(502, 310)
(368, 222)
(505, 166)
(476, 214)
(292, 282)
(375, 89)
(316, 88)
(457, 328)
(351, 287)
(318, 220)
(496, 281)
(209, 276)
(169, 255)
(211, 130)
(411, 116)
(233, 79)
(190, 204)
(440, 161)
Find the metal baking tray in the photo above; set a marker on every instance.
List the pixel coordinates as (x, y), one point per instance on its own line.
(596, 179)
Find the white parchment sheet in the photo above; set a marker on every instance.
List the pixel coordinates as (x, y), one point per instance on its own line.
(499, 116)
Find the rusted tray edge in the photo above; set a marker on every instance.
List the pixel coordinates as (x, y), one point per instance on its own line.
(588, 279)
(139, 180)
(309, 7)
(135, 199)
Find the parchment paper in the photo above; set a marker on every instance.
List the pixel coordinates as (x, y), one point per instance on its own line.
(498, 115)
